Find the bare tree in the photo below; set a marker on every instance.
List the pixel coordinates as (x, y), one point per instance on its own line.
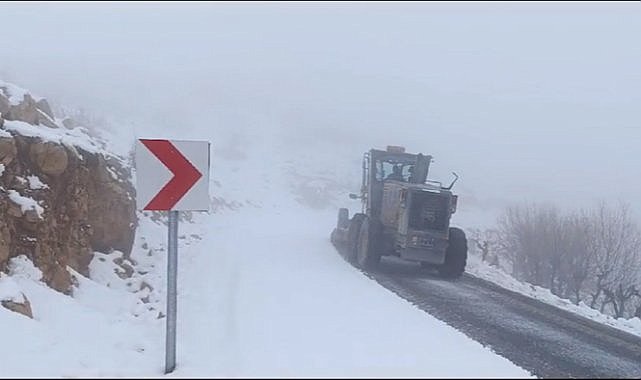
(486, 242)
(531, 240)
(594, 254)
(516, 239)
(637, 310)
(615, 244)
(575, 268)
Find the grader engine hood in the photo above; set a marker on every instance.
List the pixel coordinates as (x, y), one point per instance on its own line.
(424, 224)
(424, 210)
(428, 210)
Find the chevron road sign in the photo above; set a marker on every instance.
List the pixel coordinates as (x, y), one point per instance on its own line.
(172, 176)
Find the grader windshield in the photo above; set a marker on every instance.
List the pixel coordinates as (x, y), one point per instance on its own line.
(403, 167)
(380, 166)
(394, 170)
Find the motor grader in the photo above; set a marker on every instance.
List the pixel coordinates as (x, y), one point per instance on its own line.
(403, 214)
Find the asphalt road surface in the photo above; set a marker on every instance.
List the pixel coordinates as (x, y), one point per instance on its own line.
(545, 340)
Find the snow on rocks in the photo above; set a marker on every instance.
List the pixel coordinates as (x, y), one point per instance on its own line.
(35, 183)
(26, 204)
(77, 137)
(15, 94)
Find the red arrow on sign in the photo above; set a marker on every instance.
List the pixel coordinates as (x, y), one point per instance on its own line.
(185, 174)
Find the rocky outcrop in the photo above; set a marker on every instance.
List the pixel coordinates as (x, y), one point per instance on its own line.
(48, 157)
(23, 308)
(8, 150)
(58, 202)
(17, 104)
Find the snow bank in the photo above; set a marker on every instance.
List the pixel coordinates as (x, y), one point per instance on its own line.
(9, 289)
(69, 337)
(482, 270)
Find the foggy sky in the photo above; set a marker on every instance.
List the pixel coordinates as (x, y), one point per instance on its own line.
(537, 102)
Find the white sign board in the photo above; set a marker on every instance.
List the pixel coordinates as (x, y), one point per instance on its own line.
(172, 175)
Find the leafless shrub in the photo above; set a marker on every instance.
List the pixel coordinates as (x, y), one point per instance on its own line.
(592, 256)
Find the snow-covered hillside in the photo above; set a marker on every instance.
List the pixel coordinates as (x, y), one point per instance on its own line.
(262, 292)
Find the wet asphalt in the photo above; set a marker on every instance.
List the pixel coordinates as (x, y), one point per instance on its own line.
(545, 340)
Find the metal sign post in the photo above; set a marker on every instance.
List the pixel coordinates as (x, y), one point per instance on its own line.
(173, 175)
(172, 292)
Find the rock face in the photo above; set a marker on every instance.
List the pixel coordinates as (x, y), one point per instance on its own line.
(17, 105)
(59, 203)
(50, 158)
(8, 150)
(23, 308)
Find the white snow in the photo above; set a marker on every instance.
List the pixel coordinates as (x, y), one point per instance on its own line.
(483, 270)
(25, 203)
(9, 289)
(15, 94)
(43, 114)
(22, 267)
(68, 338)
(4, 133)
(105, 272)
(35, 183)
(1, 169)
(76, 137)
(275, 299)
(112, 173)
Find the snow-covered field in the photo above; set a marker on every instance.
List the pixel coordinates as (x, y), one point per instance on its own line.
(262, 292)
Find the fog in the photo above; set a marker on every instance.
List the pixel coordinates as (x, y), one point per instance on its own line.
(537, 102)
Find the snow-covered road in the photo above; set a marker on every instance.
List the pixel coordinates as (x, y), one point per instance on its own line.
(256, 300)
